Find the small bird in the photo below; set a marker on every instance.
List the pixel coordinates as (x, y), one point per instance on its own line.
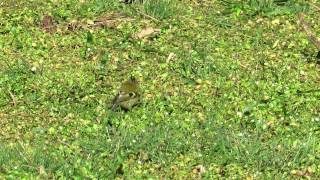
(128, 95)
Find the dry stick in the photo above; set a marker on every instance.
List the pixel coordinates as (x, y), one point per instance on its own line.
(146, 15)
(306, 27)
(315, 6)
(14, 100)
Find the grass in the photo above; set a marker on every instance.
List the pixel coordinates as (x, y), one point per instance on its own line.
(239, 94)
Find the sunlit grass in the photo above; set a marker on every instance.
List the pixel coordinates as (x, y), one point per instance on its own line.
(230, 90)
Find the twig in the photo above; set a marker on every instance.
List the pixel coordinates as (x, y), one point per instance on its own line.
(14, 100)
(306, 27)
(315, 6)
(146, 15)
(64, 143)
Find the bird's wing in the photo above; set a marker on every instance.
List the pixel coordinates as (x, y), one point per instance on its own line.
(120, 97)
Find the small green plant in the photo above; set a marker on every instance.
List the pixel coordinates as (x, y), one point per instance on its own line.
(161, 9)
(273, 7)
(261, 5)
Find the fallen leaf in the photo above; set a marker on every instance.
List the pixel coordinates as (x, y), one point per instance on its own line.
(74, 25)
(198, 87)
(42, 170)
(48, 24)
(302, 173)
(146, 32)
(270, 123)
(200, 169)
(201, 117)
(249, 178)
(170, 57)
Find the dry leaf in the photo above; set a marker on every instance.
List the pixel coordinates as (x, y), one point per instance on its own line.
(249, 178)
(170, 57)
(110, 20)
(270, 123)
(302, 173)
(42, 170)
(147, 32)
(74, 25)
(200, 169)
(198, 87)
(48, 24)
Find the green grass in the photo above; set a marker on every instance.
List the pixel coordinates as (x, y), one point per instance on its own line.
(240, 95)
(160, 8)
